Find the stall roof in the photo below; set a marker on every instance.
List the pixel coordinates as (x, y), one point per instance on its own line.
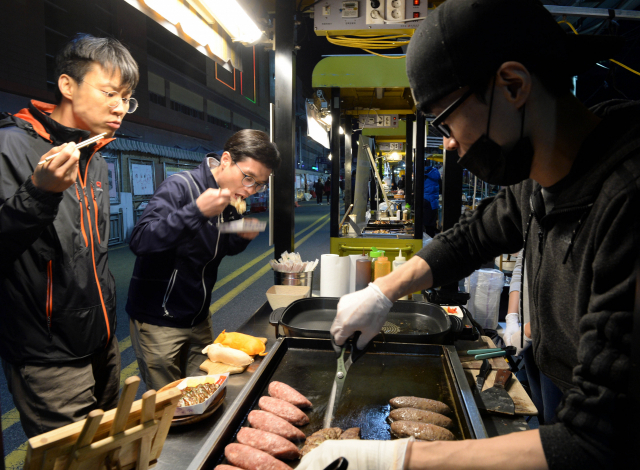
(128, 145)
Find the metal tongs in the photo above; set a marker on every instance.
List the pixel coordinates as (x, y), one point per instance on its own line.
(341, 373)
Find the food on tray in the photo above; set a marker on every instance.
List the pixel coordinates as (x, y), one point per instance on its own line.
(424, 431)
(239, 204)
(226, 467)
(285, 392)
(249, 344)
(351, 433)
(247, 457)
(272, 444)
(195, 393)
(269, 422)
(421, 404)
(283, 409)
(226, 355)
(318, 437)
(421, 416)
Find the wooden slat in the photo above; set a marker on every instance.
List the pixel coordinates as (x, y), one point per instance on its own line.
(86, 436)
(148, 408)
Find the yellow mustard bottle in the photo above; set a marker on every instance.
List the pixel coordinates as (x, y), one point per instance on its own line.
(382, 266)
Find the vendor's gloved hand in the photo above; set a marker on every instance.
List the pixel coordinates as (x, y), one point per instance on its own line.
(516, 341)
(513, 326)
(365, 311)
(362, 455)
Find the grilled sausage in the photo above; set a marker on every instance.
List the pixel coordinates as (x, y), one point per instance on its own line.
(271, 423)
(351, 433)
(283, 409)
(421, 416)
(284, 392)
(421, 404)
(268, 442)
(252, 459)
(424, 431)
(226, 467)
(318, 437)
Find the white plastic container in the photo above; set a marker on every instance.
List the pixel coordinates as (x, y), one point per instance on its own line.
(399, 261)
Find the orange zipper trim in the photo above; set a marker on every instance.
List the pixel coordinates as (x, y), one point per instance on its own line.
(93, 252)
(84, 234)
(49, 309)
(95, 214)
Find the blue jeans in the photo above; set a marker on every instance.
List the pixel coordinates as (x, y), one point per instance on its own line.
(544, 393)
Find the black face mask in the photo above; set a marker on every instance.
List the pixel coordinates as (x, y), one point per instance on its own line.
(489, 162)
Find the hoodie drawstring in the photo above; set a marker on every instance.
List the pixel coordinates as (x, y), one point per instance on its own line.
(524, 255)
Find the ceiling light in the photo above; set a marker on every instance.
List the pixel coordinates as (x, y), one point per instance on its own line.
(329, 156)
(341, 130)
(234, 20)
(170, 10)
(327, 119)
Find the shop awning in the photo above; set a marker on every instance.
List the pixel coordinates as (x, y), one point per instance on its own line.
(127, 145)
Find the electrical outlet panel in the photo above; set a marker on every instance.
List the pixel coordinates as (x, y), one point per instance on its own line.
(396, 10)
(375, 12)
(369, 121)
(345, 17)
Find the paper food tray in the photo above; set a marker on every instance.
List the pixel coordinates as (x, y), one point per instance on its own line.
(242, 226)
(220, 379)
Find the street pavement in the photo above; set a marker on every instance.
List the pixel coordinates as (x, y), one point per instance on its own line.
(240, 290)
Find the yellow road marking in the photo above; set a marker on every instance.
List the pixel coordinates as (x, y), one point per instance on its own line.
(239, 271)
(10, 418)
(130, 370)
(15, 460)
(229, 296)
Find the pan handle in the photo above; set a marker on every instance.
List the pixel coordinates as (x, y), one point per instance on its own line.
(275, 318)
(340, 464)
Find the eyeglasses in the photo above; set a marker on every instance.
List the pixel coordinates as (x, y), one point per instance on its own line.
(250, 181)
(437, 122)
(113, 99)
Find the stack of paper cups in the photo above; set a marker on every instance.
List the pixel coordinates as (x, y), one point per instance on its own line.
(352, 270)
(334, 275)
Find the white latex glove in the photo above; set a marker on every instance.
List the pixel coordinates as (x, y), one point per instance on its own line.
(513, 326)
(365, 311)
(515, 341)
(362, 455)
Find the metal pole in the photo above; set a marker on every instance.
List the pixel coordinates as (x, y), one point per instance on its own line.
(594, 12)
(285, 79)
(408, 178)
(348, 160)
(419, 195)
(335, 162)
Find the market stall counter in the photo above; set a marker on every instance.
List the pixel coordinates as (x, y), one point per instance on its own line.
(200, 445)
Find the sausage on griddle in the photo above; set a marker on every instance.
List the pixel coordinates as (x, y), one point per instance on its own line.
(420, 416)
(269, 422)
(283, 409)
(285, 392)
(272, 444)
(424, 431)
(249, 458)
(351, 433)
(226, 467)
(318, 437)
(421, 404)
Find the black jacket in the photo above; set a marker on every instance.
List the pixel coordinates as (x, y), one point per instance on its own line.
(57, 295)
(179, 251)
(580, 260)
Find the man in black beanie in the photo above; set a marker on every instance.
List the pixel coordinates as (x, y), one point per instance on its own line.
(497, 75)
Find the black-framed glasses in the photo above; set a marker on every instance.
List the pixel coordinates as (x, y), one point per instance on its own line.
(437, 122)
(113, 99)
(250, 181)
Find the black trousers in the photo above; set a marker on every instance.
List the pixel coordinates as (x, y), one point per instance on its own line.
(429, 218)
(319, 197)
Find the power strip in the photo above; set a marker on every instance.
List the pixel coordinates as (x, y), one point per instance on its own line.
(396, 10)
(375, 11)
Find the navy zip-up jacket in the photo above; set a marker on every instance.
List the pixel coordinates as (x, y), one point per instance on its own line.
(178, 252)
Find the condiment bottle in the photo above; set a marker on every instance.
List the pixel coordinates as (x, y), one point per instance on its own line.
(373, 256)
(399, 261)
(382, 266)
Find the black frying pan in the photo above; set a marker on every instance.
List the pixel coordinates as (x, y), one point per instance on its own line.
(408, 321)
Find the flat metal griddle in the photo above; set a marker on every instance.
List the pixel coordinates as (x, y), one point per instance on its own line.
(407, 322)
(386, 371)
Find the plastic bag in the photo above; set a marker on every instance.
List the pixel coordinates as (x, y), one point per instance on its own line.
(426, 239)
(485, 287)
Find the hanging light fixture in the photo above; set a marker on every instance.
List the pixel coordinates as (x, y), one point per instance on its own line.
(232, 17)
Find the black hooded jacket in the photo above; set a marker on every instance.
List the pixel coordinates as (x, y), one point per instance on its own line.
(57, 295)
(580, 260)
